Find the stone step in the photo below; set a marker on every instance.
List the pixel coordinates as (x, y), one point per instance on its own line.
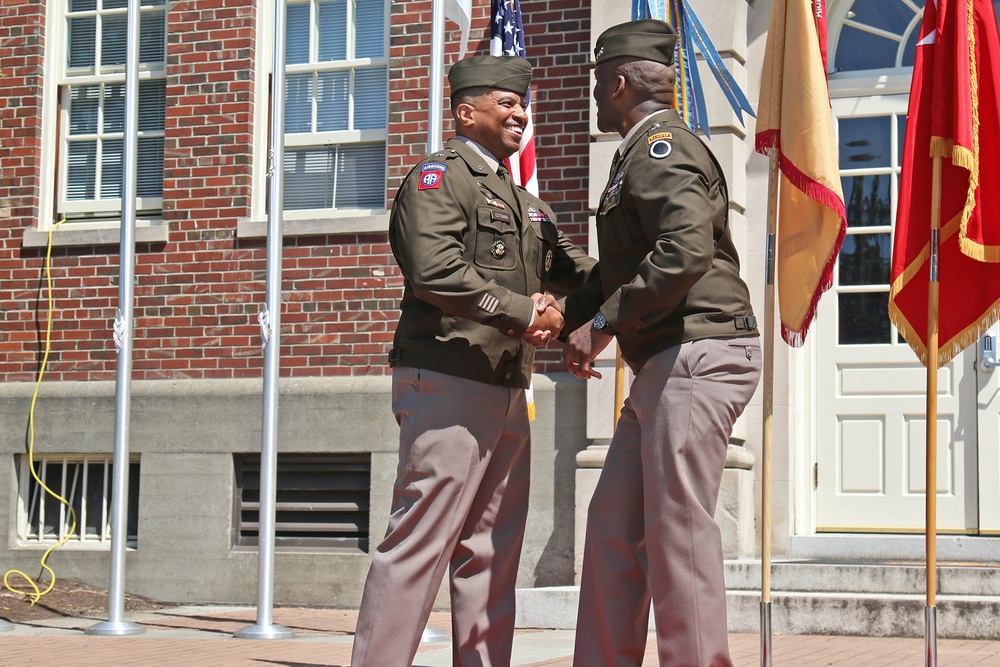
(836, 598)
(895, 577)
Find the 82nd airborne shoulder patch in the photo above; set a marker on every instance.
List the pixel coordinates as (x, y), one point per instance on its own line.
(431, 175)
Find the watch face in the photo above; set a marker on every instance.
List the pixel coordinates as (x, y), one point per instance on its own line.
(600, 321)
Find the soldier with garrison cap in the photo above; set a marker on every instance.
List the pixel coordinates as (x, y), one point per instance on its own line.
(480, 258)
(669, 289)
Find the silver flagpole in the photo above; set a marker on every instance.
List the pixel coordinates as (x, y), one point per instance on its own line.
(123, 342)
(270, 325)
(434, 114)
(434, 130)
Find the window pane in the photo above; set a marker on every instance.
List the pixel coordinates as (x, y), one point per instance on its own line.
(84, 102)
(114, 38)
(82, 41)
(868, 200)
(332, 101)
(297, 34)
(152, 37)
(361, 176)
(332, 30)
(309, 178)
(864, 142)
(864, 259)
(149, 177)
(858, 50)
(98, 486)
(81, 166)
(114, 4)
(900, 137)
(82, 5)
(370, 29)
(298, 102)
(864, 319)
(370, 95)
(889, 15)
(114, 108)
(111, 169)
(152, 105)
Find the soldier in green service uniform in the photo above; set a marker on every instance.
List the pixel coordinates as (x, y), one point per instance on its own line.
(479, 257)
(670, 290)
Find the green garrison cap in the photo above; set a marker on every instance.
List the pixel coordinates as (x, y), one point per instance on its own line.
(647, 39)
(504, 72)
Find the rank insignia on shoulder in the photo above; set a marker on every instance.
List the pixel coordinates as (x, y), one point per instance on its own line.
(660, 149)
(659, 135)
(498, 250)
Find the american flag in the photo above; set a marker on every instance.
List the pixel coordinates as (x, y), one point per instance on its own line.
(507, 39)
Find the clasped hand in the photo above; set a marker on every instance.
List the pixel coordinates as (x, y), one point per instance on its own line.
(582, 348)
(548, 320)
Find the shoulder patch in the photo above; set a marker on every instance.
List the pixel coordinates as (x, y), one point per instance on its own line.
(659, 135)
(430, 179)
(434, 166)
(660, 149)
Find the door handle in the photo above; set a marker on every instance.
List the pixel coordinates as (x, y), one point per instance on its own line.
(988, 352)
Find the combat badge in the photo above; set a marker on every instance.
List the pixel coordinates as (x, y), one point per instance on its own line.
(498, 250)
(548, 261)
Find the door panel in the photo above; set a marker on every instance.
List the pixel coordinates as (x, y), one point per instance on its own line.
(870, 411)
(988, 381)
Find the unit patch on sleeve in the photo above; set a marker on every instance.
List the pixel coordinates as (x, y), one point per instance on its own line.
(431, 175)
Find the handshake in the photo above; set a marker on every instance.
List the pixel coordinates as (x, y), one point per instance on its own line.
(548, 321)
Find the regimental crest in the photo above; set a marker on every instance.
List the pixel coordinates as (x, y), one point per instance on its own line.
(499, 249)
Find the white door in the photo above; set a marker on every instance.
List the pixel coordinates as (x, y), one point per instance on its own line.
(870, 390)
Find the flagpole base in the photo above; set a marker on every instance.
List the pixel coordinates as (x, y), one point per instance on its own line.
(765, 634)
(930, 637)
(115, 629)
(270, 631)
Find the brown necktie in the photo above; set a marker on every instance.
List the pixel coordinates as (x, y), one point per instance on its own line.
(507, 180)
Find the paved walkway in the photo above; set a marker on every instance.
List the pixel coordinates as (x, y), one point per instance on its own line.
(203, 636)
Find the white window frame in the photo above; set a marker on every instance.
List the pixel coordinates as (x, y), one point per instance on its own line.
(311, 221)
(105, 213)
(33, 535)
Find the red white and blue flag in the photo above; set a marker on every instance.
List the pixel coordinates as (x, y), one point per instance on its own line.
(507, 39)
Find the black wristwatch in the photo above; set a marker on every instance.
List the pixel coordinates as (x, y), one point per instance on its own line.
(601, 324)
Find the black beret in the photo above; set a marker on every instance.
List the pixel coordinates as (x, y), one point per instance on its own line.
(646, 39)
(504, 72)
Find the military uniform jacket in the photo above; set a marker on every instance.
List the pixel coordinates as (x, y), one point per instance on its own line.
(471, 254)
(669, 271)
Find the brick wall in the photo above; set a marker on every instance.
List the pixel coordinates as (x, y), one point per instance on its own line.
(198, 294)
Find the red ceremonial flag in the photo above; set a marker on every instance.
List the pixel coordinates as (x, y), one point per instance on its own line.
(954, 113)
(507, 39)
(793, 118)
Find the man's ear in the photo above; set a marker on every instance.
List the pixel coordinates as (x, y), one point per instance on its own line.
(463, 114)
(619, 86)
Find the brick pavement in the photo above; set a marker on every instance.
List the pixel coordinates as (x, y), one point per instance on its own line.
(203, 637)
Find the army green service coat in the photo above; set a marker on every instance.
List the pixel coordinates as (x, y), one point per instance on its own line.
(472, 253)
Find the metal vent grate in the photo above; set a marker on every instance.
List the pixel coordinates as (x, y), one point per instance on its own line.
(321, 501)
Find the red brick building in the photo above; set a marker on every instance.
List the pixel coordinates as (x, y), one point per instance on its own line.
(199, 275)
(356, 121)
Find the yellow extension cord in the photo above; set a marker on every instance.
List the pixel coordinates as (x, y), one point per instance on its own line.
(37, 594)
